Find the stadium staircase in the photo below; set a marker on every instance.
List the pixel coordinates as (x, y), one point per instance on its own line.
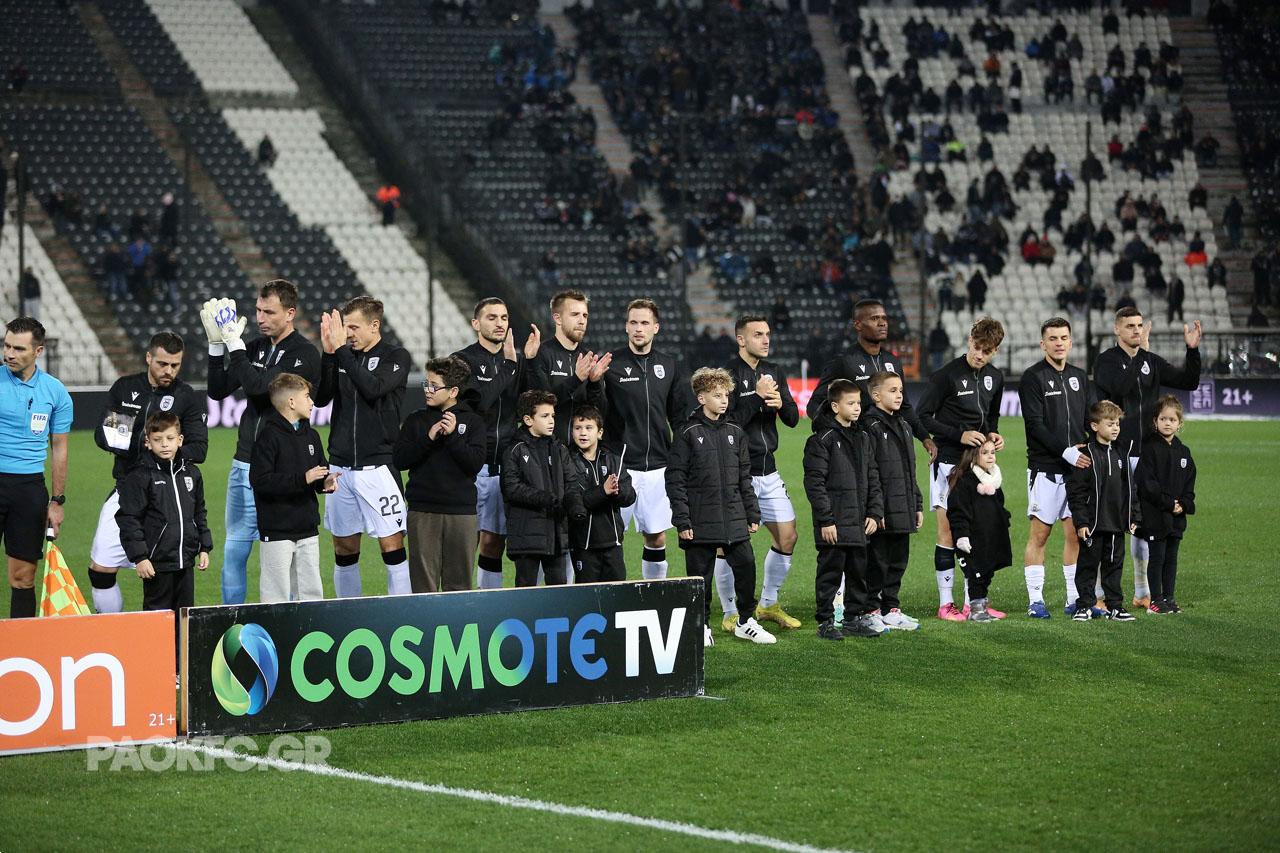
(1205, 93)
(906, 270)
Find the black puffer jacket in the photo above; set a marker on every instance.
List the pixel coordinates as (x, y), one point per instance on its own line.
(842, 482)
(287, 504)
(890, 436)
(603, 527)
(709, 482)
(540, 486)
(1101, 497)
(162, 514)
(984, 520)
(1166, 473)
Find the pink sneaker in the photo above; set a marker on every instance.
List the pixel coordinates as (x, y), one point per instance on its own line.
(995, 614)
(951, 613)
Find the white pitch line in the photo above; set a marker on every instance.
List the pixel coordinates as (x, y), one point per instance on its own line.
(725, 835)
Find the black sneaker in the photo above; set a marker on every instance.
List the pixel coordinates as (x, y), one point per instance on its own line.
(1119, 614)
(1171, 606)
(858, 626)
(828, 631)
(1082, 614)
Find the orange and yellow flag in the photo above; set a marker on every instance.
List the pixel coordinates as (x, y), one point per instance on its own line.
(59, 594)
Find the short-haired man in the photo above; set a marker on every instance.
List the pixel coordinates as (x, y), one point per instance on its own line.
(960, 407)
(250, 367)
(759, 400)
(35, 416)
(1055, 397)
(1131, 376)
(648, 398)
(564, 368)
(868, 357)
(365, 376)
(498, 374)
(131, 400)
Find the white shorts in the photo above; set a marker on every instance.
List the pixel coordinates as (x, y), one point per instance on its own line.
(107, 550)
(368, 501)
(938, 488)
(1047, 497)
(775, 504)
(491, 511)
(652, 509)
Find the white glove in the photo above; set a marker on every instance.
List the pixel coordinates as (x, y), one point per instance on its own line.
(1070, 455)
(963, 544)
(211, 330)
(230, 325)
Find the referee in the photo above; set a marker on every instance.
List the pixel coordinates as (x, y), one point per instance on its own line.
(35, 411)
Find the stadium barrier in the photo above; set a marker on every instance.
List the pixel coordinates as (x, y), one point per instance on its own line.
(71, 682)
(253, 669)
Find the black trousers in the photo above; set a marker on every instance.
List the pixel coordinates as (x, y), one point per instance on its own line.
(700, 561)
(1162, 569)
(169, 590)
(838, 563)
(599, 564)
(1102, 554)
(887, 559)
(978, 577)
(552, 567)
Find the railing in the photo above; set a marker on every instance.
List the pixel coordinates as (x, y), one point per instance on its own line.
(78, 366)
(1237, 354)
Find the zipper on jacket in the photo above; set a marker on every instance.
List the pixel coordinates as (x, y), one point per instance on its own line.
(266, 364)
(355, 416)
(497, 428)
(648, 427)
(177, 499)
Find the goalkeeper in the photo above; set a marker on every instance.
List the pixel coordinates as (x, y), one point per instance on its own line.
(251, 367)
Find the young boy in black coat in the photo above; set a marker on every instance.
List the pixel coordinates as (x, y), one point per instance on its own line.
(1166, 484)
(287, 469)
(163, 527)
(443, 448)
(713, 504)
(606, 489)
(540, 487)
(843, 486)
(1104, 508)
(980, 524)
(890, 548)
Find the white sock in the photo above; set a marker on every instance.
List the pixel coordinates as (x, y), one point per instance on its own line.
(839, 599)
(568, 567)
(108, 600)
(1141, 589)
(945, 582)
(776, 567)
(653, 570)
(398, 578)
(486, 579)
(966, 591)
(1097, 586)
(1069, 578)
(346, 581)
(1138, 549)
(724, 586)
(1035, 583)
(542, 578)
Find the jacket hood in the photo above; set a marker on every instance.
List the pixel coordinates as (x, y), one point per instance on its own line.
(275, 420)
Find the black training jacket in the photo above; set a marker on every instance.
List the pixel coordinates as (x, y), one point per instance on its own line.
(442, 473)
(648, 398)
(758, 421)
(1166, 473)
(498, 382)
(367, 389)
(282, 456)
(131, 401)
(890, 438)
(858, 366)
(603, 527)
(162, 513)
(553, 370)
(709, 482)
(958, 398)
(842, 482)
(253, 369)
(1101, 497)
(1055, 413)
(1134, 385)
(984, 520)
(540, 486)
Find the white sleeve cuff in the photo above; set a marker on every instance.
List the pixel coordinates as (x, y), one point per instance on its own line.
(1071, 454)
(235, 345)
(217, 349)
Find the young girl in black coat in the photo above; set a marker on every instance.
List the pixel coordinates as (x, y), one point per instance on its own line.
(1166, 484)
(980, 524)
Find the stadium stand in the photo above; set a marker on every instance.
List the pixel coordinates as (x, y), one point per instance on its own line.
(909, 58)
(46, 46)
(150, 47)
(220, 44)
(766, 187)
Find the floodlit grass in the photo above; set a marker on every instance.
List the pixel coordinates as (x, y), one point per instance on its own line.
(1020, 734)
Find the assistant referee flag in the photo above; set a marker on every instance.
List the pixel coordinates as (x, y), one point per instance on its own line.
(59, 594)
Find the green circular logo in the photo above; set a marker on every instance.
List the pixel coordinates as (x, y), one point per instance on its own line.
(256, 645)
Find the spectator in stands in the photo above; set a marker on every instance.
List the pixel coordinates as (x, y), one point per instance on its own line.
(1233, 221)
(780, 314)
(1195, 251)
(139, 268)
(977, 290)
(549, 270)
(1198, 196)
(1177, 294)
(115, 269)
(1207, 151)
(103, 228)
(1217, 274)
(266, 151)
(29, 294)
(139, 226)
(1257, 319)
(1261, 278)
(169, 219)
(389, 203)
(939, 347)
(167, 268)
(816, 351)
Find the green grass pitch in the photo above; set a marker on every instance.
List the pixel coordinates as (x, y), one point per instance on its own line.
(1156, 734)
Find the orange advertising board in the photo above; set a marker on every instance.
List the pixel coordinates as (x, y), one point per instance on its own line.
(73, 681)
